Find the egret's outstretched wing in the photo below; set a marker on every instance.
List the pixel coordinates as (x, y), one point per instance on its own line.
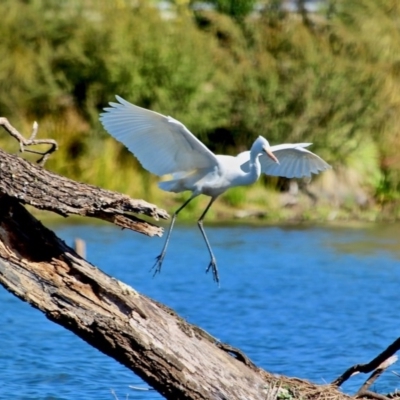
(295, 161)
(162, 144)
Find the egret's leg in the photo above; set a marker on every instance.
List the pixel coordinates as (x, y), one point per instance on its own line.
(160, 258)
(213, 261)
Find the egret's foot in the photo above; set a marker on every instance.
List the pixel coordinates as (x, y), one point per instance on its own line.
(157, 266)
(213, 266)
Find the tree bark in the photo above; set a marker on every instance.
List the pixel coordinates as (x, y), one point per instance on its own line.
(179, 360)
(33, 185)
(176, 358)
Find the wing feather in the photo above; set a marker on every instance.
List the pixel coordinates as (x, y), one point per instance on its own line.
(162, 144)
(295, 161)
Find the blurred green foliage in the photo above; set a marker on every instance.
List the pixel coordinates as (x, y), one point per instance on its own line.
(330, 77)
(237, 9)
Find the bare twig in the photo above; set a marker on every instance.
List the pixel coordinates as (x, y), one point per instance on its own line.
(394, 395)
(375, 375)
(373, 395)
(113, 393)
(31, 141)
(371, 366)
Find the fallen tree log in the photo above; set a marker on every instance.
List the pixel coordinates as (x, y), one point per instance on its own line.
(180, 360)
(39, 268)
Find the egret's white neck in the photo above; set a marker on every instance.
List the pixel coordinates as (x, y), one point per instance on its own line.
(247, 178)
(255, 166)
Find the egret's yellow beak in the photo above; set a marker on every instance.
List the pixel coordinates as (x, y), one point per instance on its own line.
(271, 155)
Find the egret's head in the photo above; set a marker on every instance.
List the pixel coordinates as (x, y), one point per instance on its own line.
(263, 146)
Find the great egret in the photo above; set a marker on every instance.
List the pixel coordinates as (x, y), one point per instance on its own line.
(164, 146)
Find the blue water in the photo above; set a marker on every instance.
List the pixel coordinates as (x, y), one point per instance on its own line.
(306, 302)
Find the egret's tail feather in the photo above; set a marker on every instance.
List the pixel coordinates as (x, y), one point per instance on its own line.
(171, 186)
(182, 181)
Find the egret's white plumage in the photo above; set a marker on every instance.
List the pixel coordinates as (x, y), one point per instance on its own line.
(164, 146)
(295, 161)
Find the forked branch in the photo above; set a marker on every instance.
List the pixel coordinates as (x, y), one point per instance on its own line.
(371, 366)
(364, 392)
(31, 141)
(378, 365)
(44, 190)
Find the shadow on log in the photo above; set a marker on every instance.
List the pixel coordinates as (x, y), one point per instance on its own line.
(179, 360)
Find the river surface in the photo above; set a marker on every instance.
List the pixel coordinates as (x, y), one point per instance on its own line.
(300, 301)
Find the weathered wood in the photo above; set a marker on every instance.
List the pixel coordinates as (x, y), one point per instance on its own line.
(33, 185)
(176, 358)
(31, 141)
(179, 360)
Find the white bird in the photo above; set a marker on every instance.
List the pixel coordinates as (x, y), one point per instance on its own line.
(164, 146)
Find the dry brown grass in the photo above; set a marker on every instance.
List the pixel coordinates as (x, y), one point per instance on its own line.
(286, 388)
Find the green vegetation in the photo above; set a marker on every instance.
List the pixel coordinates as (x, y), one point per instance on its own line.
(331, 78)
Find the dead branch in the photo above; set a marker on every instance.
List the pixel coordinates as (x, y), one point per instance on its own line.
(372, 395)
(371, 366)
(31, 141)
(44, 190)
(375, 375)
(33, 185)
